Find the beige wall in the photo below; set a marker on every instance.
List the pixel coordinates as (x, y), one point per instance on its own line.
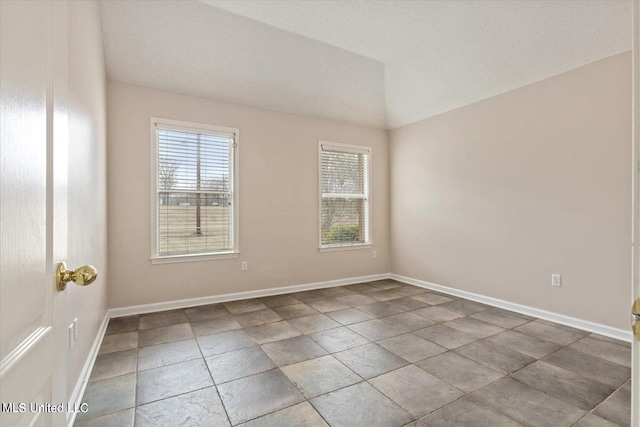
(87, 178)
(494, 197)
(278, 186)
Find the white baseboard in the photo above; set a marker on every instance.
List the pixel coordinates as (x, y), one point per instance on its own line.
(585, 325)
(81, 385)
(194, 302)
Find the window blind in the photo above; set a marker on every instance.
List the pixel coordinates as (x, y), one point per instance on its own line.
(195, 185)
(344, 187)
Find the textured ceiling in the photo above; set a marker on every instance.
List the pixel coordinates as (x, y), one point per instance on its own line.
(377, 63)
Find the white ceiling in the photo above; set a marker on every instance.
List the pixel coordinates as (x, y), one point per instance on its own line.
(377, 63)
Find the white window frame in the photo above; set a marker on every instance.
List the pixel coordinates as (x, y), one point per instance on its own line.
(192, 127)
(369, 225)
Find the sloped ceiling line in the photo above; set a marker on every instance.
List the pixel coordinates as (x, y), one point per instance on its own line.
(382, 64)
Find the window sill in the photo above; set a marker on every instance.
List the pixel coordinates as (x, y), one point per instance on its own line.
(346, 247)
(192, 258)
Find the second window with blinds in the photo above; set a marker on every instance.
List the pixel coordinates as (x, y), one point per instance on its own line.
(194, 183)
(345, 217)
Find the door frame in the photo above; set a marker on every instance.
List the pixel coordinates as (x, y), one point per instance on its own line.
(635, 226)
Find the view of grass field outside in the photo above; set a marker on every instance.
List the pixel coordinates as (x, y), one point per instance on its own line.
(344, 210)
(195, 193)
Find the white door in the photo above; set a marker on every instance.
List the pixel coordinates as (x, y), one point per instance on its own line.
(33, 343)
(635, 293)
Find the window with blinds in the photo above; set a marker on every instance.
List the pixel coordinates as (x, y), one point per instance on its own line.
(195, 202)
(344, 195)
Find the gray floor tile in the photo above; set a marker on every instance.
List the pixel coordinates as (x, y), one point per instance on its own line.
(245, 399)
(300, 415)
(165, 334)
(120, 419)
(349, 316)
(273, 332)
(326, 305)
(215, 325)
(338, 339)
(278, 301)
(119, 342)
(244, 306)
(370, 360)
(108, 396)
(570, 387)
(362, 287)
(503, 318)
(338, 291)
(465, 374)
(611, 340)
(415, 390)
(224, 342)
(474, 327)
(495, 356)
(123, 324)
(380, 309)
(167, 354)
(294, 311)
(315, 323)
(163, 318)
(525, 344)
(544, 331)
(526, 405)
(411, 347)
(606, 350)
(259, 317)
(408, 303)
(592, 367)
(384, 295)
(437, 314)
(355, 300)
(465, 413)
(114, 364)
(591, 420)
(561, 326)
(319, 376)
(293, 350)
(308, 296)
(408, 321)
(206, 312)
(237, 364)
(464, 306)
(617, 407)
(431, 298)
(168, 381)
(385, 284)
(194, 409)
(376, 329)
(402, 319)
(408, 290)
(445, 336)
(360, 405)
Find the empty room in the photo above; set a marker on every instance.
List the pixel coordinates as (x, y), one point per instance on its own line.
(319, 213)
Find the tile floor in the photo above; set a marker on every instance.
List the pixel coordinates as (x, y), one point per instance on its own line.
(373, 354)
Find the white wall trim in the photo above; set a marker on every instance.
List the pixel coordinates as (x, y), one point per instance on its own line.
(608, 331)
(81, 385)
(194, 302)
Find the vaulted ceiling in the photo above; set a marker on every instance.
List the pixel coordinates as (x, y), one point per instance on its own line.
(376, 63)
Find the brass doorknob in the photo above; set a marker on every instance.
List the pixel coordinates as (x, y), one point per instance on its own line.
(81, 276)
(635, 318)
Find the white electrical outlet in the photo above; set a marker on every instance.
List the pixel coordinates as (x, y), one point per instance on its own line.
(75, 330)
(374, 254)
(556, 280)
(245, 265)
